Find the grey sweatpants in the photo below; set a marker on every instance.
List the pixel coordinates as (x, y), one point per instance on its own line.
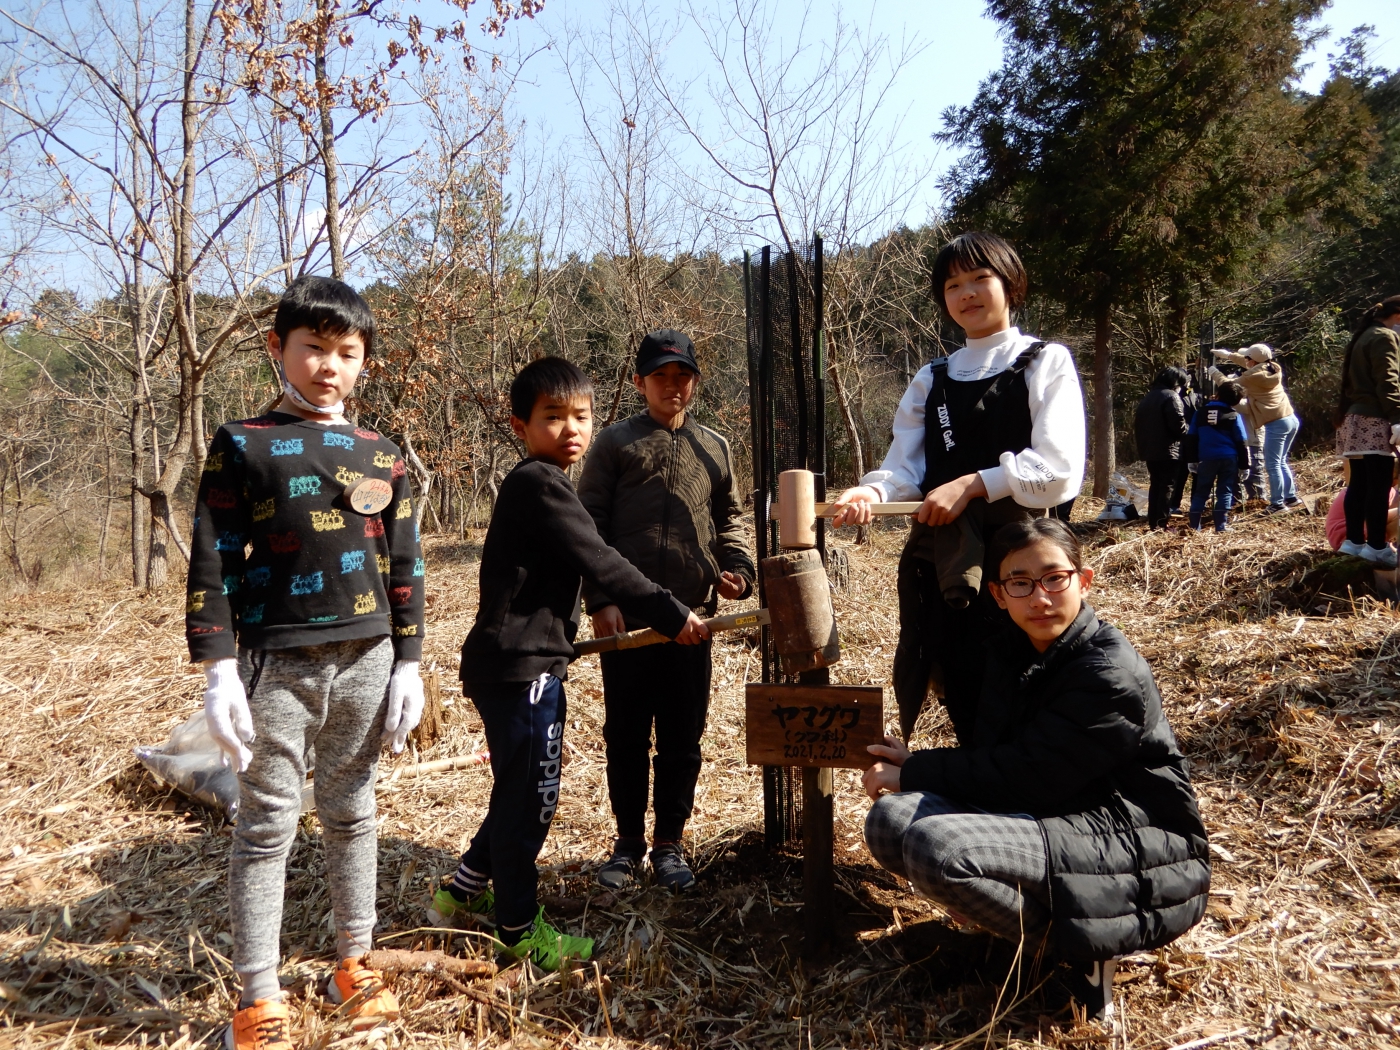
(988, 867)
(331, 697)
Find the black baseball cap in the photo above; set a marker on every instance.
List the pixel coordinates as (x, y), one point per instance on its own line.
(662, 347)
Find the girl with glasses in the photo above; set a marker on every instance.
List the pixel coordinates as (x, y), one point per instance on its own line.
(1068, 818)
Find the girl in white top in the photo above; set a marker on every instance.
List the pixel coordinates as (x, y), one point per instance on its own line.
(991, 449)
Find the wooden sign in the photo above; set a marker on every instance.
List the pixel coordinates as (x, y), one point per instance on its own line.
(813, 725)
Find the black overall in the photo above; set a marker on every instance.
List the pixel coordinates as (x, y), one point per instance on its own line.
(967, 426)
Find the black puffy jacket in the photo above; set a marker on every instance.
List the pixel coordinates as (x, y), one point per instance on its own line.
(1160, 424)
(1076, 737)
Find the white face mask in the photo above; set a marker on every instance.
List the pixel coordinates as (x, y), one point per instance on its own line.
(301, 402)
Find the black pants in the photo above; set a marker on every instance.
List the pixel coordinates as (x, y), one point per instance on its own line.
(1064, 510)
(1161, 483)
(1368, 499)
(525, 731)
(1178, 491)
(668, 685)
(937, 639)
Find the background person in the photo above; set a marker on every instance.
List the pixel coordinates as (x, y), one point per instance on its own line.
(1220, 435)
(1159, 425)
(1370, 428)
(1269, 409)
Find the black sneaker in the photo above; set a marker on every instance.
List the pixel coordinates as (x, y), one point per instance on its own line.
(1091, 984)
(621, 867)
(669, 866)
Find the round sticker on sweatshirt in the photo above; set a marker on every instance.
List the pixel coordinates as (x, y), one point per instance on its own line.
(370, 496)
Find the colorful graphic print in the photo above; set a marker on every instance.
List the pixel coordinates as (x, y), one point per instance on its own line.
(214, 463)
(383, 562)
(253, 614)
(222, 499)
(365, 603)
(311, 583)
(308, 485)
(264, 509)
(259, 577)
(229, 541)
(333, 440)
(401, 595)
(374, 526)
(352, 561)
(327, 520)
(383, 459)
(284, 542)
(287, 447)
(346, 476)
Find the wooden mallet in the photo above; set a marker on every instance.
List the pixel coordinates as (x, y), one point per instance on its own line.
(798, 509)
(649, 636)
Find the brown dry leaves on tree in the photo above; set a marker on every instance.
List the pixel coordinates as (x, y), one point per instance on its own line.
(113, 923)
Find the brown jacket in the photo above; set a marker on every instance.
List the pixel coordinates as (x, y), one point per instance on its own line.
(668, 501)
(1263, 387)
(1371, 378)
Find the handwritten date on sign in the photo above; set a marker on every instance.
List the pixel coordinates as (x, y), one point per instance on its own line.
(813, 725)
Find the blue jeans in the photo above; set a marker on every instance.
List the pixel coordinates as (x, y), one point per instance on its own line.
(1278, 441)
(1221, 473)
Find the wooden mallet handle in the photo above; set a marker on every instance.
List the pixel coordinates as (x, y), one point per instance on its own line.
(798, 510)
(650, 636)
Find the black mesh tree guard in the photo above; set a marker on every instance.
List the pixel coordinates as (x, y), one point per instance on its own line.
(787, 399)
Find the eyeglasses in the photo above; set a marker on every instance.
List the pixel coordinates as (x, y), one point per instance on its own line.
(1050, 583)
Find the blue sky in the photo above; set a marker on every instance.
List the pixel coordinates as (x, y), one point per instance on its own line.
(962, 47)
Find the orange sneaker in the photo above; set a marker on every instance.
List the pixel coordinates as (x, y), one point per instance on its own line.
(262, 1026)
(376, 1005)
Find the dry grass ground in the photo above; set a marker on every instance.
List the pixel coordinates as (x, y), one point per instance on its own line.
(1282, 688)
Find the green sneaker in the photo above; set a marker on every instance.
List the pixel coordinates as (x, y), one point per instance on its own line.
(546, 947)
(445, 906)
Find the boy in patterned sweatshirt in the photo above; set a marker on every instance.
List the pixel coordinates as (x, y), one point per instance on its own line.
(305, 607)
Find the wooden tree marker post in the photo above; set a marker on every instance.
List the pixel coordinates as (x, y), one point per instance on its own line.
(819, 727)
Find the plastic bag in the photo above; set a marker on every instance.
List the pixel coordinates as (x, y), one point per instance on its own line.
(1125, 502)
(191, 763)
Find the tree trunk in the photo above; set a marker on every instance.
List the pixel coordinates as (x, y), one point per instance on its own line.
(158, 563)
(330, 163)
(140, 509)
(848, 420)
(1103, 452)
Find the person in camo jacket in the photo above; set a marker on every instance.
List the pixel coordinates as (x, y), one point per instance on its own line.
(305, 608)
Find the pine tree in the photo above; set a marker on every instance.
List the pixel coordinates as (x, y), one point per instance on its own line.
(1129, 146)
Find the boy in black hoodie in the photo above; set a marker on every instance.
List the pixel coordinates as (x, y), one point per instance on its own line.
(540, 546)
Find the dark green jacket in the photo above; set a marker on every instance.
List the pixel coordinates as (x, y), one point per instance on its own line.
(1371, 380)
(668, 501)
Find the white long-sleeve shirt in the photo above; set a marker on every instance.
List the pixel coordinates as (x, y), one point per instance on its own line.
(1045, 475)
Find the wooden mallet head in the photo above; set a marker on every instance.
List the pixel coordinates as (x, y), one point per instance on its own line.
(797, 510)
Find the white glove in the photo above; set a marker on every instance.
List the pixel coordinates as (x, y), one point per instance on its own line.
(226, 712)
(405, 704)
(1223, 355)
(1395, 433)
(1215, 374)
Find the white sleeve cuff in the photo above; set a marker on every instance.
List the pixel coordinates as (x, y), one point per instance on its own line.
(997, 483)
